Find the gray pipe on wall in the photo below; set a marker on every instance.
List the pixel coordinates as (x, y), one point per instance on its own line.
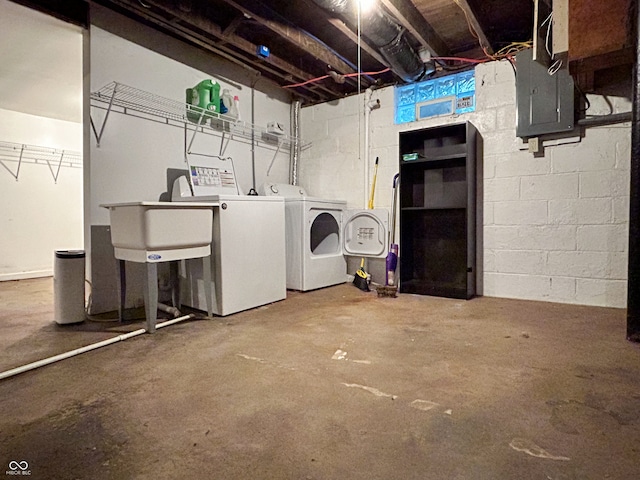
(601, 120)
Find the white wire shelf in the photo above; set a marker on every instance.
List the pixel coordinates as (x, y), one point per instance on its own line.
(19, 154)
(128, 100)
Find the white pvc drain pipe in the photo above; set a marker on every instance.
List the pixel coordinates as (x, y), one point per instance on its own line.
(87, 348)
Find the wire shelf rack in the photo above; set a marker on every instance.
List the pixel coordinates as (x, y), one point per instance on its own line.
(19, 154)
(128, 100)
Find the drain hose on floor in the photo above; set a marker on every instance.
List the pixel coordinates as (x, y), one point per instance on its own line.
(87, 348)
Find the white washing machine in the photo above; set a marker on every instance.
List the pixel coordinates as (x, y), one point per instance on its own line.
(320, 232)
(248, 260)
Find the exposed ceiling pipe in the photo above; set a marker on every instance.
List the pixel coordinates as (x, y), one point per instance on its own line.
(294, 152)
(385, 34)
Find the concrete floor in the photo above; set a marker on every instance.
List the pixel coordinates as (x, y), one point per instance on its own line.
(330, 384)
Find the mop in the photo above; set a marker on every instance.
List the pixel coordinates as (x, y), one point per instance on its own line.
(390, 289)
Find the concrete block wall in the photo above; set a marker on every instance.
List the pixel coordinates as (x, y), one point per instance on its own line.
(332, 167)
(555, 226)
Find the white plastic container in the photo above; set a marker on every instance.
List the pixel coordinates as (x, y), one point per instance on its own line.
(68, 286)
(234, 110)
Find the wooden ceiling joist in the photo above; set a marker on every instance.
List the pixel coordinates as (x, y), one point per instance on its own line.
(474, 24)
(412, 21)
(183, 24)
(233, 26)
(206, 25)
(300, 39)
(353, 36)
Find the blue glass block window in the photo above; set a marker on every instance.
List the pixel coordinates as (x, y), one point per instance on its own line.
(426, 91)
(439, 96)
(406, 114)
(438, 107)
(465, 92)
(466, 81)
(405, 97)
(445, 86)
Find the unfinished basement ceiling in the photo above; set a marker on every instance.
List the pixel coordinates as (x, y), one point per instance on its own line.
(308, 39)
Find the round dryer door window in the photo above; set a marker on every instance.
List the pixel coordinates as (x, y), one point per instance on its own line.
(325, 235)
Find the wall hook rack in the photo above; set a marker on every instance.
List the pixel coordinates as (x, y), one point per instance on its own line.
(20, 154)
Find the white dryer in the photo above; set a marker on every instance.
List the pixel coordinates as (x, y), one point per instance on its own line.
(320, 232)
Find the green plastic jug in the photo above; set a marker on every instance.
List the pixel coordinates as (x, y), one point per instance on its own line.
(206, 96)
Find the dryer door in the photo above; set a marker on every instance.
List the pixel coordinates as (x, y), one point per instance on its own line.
(365, 233)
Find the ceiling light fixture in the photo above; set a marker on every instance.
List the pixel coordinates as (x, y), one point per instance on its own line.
(366, 5)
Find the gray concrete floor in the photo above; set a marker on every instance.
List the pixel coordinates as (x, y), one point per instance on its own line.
(330, 384)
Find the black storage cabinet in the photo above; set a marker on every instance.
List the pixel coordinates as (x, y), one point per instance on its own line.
(440, 210)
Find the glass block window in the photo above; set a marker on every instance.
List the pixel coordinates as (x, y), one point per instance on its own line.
(453, 94)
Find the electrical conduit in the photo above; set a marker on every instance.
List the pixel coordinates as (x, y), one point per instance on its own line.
(369, 106)
(367, 117)
(87, 348)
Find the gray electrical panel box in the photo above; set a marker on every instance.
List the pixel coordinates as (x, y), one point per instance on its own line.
(545, 102)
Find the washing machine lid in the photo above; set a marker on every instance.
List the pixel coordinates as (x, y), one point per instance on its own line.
(218, 199)
(365, 233)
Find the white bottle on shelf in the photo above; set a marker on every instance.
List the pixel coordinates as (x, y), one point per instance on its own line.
(234, 111)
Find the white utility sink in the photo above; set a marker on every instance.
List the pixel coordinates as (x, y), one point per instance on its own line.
(161, 231)
(153, 232)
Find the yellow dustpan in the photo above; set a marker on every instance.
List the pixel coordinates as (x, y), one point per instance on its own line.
(360, 278)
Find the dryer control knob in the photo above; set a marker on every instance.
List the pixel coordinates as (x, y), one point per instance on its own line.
(274, 188)
(301, 192)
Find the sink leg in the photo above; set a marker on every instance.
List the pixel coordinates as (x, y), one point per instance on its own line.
(174, 281)
(151, 297)
(122, 288)
(208, 284)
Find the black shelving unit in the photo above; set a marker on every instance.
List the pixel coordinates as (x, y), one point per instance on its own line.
(440, 210)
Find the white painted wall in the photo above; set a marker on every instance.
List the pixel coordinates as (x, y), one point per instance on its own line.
(134, 154)
(41, 59)
(40, 105)
(38, 215)
(555, 227)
